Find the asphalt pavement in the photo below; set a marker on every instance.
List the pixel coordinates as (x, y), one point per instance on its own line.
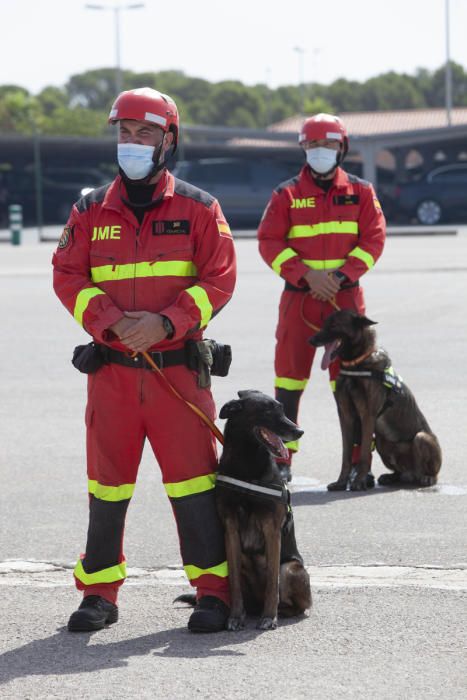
(388, 567)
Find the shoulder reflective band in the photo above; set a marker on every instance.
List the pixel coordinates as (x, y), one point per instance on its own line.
(194, 572)
(324, 264)
(201, 300)
(270, 492)
(191, 486)
(110, 493)
(322, 228)
(82, 301)
(165, 268)
(110, 575)
(283, 256)
(364, 256)
(290, 384)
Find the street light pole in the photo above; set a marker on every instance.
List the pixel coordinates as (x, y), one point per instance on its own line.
(116, 10)
(448, 72)
(300, 51)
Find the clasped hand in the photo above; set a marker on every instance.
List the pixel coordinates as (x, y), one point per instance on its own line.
(139, 330)
(323, 285)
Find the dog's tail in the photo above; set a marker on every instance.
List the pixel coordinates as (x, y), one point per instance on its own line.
(189, 598)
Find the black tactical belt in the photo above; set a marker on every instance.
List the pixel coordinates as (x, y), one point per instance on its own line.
(169, 358)
(291, 288)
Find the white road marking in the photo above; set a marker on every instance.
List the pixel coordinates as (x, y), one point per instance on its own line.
(51, 575)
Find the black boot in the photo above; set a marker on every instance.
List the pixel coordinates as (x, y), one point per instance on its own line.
(210, 615)
(94, 613)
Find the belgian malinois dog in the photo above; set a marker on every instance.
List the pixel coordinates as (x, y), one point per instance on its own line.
(368, 390)
(266, 571)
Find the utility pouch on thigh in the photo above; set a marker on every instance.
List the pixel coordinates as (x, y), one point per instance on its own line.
(88, 358)
(208, 358)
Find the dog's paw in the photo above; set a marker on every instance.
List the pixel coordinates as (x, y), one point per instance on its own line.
(337, 486)
(267, 623)
(426, 480)
(358, 484)
(234, 624)
(389, 479)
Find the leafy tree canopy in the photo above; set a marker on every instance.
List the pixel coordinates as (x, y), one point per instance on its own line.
(81, 106)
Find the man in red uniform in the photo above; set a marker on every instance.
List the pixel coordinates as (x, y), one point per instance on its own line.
(321, 231)
(143, 264)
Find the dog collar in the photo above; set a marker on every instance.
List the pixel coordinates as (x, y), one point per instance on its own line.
(274, 491)
(357, 360)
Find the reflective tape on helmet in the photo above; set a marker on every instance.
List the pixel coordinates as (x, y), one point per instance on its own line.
(324, 264)
(110, 575)
(323, 228)
(166, 268)
(290, 384)
(198, 484)
(283, 256)
(82, 301)
(155, 118)
(194, 572)
(361, 254)
(110, 493)
(201, 300)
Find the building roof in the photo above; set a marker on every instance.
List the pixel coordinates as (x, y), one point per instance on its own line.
(385, 122)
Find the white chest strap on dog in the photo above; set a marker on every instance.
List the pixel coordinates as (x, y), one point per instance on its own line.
(271, 491)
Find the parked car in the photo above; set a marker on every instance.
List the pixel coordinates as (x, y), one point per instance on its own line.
(61, 187)
(440, 195)
(242, 186)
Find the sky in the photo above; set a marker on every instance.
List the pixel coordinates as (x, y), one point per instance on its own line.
(44, 42)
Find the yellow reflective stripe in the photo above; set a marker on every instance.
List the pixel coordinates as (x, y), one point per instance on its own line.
(193, 571)
(290, 384)
(324, 227)
(110, 575)
(82, 301)
(161, 268)
(324, 264)
(201, 300)
(293, 445)
(332, 384)
(364, 256)
(110, 493)
(283, 256)
(187, 488)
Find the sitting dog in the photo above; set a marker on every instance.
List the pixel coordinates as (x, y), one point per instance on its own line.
(386, 408)
(266, 571)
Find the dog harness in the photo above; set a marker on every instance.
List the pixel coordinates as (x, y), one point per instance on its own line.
(271, 491)
(387, 376)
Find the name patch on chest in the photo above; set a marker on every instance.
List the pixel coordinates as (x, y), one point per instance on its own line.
(344, 199)
(171, 228)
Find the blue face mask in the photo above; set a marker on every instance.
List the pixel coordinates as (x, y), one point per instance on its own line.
(135, 160)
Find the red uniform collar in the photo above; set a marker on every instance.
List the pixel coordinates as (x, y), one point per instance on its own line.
(112, 199)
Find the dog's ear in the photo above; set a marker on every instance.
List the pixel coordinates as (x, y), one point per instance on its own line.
(364, 321)
(244, 393)
(230, 408)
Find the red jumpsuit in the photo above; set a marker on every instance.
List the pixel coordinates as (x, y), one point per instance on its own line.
(305, 227)
(180, 262)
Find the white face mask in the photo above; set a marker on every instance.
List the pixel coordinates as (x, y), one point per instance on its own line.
(321, 159)
(135, 160)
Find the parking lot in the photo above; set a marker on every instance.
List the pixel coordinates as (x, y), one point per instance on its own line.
(388, 568)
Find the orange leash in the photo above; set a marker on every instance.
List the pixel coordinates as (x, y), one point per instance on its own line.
(308, 323)
(212, 427)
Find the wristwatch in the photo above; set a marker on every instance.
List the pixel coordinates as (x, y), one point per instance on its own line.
(168, 326)
(340, 277)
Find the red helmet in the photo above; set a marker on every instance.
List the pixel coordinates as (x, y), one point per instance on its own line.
(324, 126)
(147, 105)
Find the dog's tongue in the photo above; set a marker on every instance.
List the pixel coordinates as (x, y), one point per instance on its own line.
(276, 443)
(329, 353)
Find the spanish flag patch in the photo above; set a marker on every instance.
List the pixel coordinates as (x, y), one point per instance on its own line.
(223, 228)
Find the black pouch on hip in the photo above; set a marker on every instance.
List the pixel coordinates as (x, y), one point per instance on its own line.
(88, 358)
(208, 358)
